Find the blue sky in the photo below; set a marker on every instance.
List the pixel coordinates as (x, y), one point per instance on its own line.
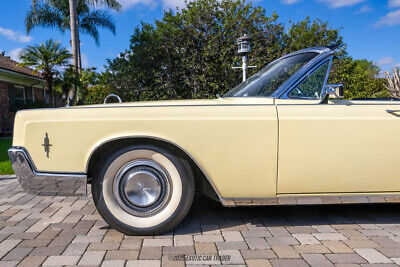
(371, 28)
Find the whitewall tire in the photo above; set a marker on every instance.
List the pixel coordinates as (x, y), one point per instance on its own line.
(143, 190)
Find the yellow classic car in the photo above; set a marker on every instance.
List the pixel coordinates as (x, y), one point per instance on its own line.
(282, 137)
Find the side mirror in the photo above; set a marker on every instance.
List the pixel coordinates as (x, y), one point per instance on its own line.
(331, 90)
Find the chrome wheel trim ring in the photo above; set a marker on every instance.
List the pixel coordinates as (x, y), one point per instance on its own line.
(142, 187)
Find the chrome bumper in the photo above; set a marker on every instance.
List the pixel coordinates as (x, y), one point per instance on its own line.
(45, 184)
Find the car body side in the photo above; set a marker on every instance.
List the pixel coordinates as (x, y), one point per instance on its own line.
(233, 141)
(343, 147)
(246, 147)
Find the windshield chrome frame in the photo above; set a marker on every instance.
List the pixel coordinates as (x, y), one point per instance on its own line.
(282, 92)
(324, 53)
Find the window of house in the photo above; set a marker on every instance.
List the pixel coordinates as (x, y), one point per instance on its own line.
(19, 93)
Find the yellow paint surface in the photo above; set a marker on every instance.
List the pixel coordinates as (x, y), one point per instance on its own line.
(340, 147)
(233, 140)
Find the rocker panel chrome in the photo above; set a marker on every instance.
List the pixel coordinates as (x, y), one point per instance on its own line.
(313, 200)
(45, 184)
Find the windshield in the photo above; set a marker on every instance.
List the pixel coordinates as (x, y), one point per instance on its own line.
(269, 79)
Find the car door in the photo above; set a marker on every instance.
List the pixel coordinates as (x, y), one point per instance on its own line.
(338, 147)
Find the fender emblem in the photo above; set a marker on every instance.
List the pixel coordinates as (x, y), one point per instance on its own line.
(47, 144)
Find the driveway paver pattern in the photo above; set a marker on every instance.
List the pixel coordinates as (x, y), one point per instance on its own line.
(54, 231)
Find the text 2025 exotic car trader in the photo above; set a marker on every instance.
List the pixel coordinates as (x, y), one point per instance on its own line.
(275, 139)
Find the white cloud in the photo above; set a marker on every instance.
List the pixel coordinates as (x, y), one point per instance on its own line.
(14, 54)
(290, 2)
(394, 3)
(341, 3)
(385, 61)
(364, 9)
(391, 19)
(15, 36)
(126, 4)
(173, 3)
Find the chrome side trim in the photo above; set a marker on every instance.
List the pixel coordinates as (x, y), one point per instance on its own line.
(312, 200)
(157, 106)
(45, 184)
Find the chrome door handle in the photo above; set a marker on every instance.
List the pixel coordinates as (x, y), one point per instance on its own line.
(393, 112)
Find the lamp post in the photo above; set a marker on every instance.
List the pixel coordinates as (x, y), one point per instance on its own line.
(244, 49)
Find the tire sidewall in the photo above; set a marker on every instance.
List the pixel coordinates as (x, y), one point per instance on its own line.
(187, 193)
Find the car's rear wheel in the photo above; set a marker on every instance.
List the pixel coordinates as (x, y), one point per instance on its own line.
(143, 189)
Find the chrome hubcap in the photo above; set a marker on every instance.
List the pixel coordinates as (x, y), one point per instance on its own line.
(142, 187)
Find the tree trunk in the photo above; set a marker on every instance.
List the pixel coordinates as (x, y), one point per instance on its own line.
(393, 86)
(74, 44)
(49, 88)
(78, 45)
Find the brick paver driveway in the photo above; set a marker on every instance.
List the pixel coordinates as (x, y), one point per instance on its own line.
(68, 231)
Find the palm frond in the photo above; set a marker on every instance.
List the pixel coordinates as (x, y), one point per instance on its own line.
(96, 18)
(112, 4)
(34, 5)
(44, 57)
(82, 7)
(55, 14)
(43, 15)
(91, 30)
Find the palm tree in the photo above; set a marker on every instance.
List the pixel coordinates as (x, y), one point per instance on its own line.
(45, 58)
(47, 12)
(56, 14)
(75, 43)
(74, 15)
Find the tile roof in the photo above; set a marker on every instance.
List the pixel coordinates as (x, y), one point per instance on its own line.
(11, 65)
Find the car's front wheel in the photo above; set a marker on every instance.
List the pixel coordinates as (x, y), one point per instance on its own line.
(143, 190)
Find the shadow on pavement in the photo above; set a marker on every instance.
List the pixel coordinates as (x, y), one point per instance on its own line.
(205, 211)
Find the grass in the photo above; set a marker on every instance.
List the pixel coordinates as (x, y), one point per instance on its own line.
(5, 164)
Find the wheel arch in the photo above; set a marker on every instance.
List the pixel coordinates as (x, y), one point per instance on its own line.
(202, 180)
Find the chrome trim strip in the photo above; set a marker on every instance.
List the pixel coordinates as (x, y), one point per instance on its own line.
(173, 106)
(151, 106)
(46, 184)
(335, 103)
(312, 200)
(30, 160)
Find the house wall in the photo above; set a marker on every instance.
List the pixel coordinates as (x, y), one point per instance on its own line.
(7, 113)
(6, 116)
(38, 93)
(9, 79)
